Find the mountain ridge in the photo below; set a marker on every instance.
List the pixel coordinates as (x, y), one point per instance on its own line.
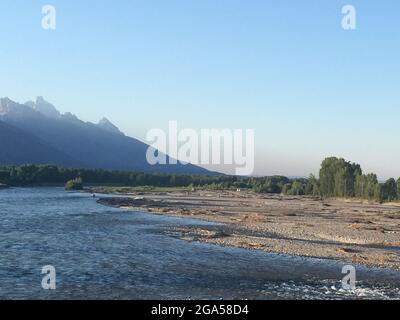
(100, 145)
(32, 150)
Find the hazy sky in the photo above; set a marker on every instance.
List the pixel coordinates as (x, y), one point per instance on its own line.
(285, 68)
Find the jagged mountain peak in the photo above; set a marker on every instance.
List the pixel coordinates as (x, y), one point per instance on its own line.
(7, 103)
(5, 100)
(107, 125)
(9, 107)
(66, 140)
(44, 107)
(70, 117)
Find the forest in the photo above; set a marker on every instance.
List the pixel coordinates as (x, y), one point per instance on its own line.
(337, 178)
(342, 179)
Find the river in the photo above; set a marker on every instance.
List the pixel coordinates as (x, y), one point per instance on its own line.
(105, 253)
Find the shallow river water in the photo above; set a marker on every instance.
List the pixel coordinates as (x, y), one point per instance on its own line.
(105, 253)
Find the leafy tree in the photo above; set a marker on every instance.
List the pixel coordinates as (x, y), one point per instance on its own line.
(365, 186)
(389, 190)
(312, 186)
(286, 188)
(327, 177)
(297, 188)
(337, 177)
(74, 184)
(398, 188)
(378, 195)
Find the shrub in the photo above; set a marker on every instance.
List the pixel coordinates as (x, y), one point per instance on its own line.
(74, 184)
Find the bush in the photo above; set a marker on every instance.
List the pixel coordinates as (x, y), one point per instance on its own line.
(75, 184)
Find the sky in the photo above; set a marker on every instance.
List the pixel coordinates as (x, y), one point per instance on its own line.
(286, 69)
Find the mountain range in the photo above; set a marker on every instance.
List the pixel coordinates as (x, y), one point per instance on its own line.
(37, 133)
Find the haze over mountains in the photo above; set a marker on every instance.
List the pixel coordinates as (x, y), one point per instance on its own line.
(37, 133)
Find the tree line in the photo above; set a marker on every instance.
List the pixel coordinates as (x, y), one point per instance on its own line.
(32, 175)
(343, 179)
(28, 175)
(337, 178)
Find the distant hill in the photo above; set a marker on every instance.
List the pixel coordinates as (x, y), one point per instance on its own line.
(63, 139)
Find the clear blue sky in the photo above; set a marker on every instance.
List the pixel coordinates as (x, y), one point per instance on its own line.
(285, 68)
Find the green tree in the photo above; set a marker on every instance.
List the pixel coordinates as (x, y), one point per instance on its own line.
(365, 186)
(297, 188)
(74, 184)
(378, 196)
(398, 188)
(389, 190)
(337, 177)
(312, 186)
(286, 188)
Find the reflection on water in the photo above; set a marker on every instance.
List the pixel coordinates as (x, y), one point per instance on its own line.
(106, 253)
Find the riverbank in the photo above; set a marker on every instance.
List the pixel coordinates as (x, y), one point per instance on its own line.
(348, 230)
